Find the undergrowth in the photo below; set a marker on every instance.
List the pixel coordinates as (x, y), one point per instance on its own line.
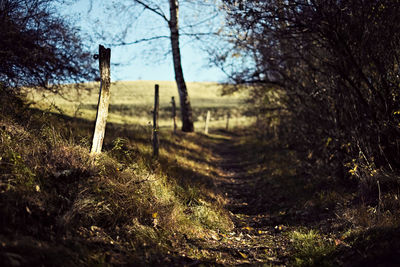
(118, 207)
(311, 249)
(63, 207)
(329, 221)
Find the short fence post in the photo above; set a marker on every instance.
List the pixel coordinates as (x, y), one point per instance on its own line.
(228, 116)
(104, 99)
(155, 122)
(207, 122)
(174, 113)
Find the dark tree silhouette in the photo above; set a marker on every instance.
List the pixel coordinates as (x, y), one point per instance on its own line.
(38, 47)
(335, 65)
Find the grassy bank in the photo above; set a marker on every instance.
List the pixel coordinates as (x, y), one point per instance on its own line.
(61, 206)
(229, 198)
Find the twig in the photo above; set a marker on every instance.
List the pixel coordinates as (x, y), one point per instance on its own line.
(379, 197)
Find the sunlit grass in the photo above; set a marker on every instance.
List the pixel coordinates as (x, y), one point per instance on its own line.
(123, 198)
(132, 103)
(311, 248)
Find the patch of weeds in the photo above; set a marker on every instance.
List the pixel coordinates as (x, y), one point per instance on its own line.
(107, 166)
(22, 173)
(326, 200)
(376, 246)
(14, 164)
(211, 218)
(122, 152)
(366, 216)
(311, 249)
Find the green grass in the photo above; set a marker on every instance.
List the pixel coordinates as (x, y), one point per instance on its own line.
(132, 103)
(311, 249)
(56, 198)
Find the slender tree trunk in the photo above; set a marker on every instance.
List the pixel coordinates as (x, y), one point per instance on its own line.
(186, 109)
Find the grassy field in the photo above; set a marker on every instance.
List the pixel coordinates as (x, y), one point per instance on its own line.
(132, 102)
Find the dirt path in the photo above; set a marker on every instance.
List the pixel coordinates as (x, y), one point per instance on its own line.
(255, 240)
(283, 217)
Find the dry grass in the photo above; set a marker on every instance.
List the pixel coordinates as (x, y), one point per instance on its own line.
(132, 102)
(327, 221)
(122, 201)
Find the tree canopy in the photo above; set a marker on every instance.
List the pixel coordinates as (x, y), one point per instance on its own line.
(38, 47)
(335, 65)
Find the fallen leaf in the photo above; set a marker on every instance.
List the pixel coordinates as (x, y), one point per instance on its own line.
(94, 228)
(214, 236)
(279, 227)
(339, 242)
(243, 255)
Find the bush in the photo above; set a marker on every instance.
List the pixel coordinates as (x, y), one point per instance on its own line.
(38, 47)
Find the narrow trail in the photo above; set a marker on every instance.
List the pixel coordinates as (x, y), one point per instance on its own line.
(255, 240)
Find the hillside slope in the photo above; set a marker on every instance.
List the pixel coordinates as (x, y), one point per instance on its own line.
(60, 206)
(227, 198)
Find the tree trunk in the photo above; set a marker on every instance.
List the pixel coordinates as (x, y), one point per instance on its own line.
(186, 109)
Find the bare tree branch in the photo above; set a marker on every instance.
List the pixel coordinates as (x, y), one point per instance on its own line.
(196, 35)
(157, 11)
(200, 22)
(139, 41)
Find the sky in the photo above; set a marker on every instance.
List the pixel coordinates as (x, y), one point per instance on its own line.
(145, 61)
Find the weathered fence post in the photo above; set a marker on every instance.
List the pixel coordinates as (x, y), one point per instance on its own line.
(207, 122)
(104, 99)
(155, 121)
(228, 116)
(173, 112)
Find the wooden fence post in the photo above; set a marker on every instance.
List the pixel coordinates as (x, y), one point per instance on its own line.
(207, 122)
(173, 112)
(228, 116)
(104, 99)
(155, 121)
